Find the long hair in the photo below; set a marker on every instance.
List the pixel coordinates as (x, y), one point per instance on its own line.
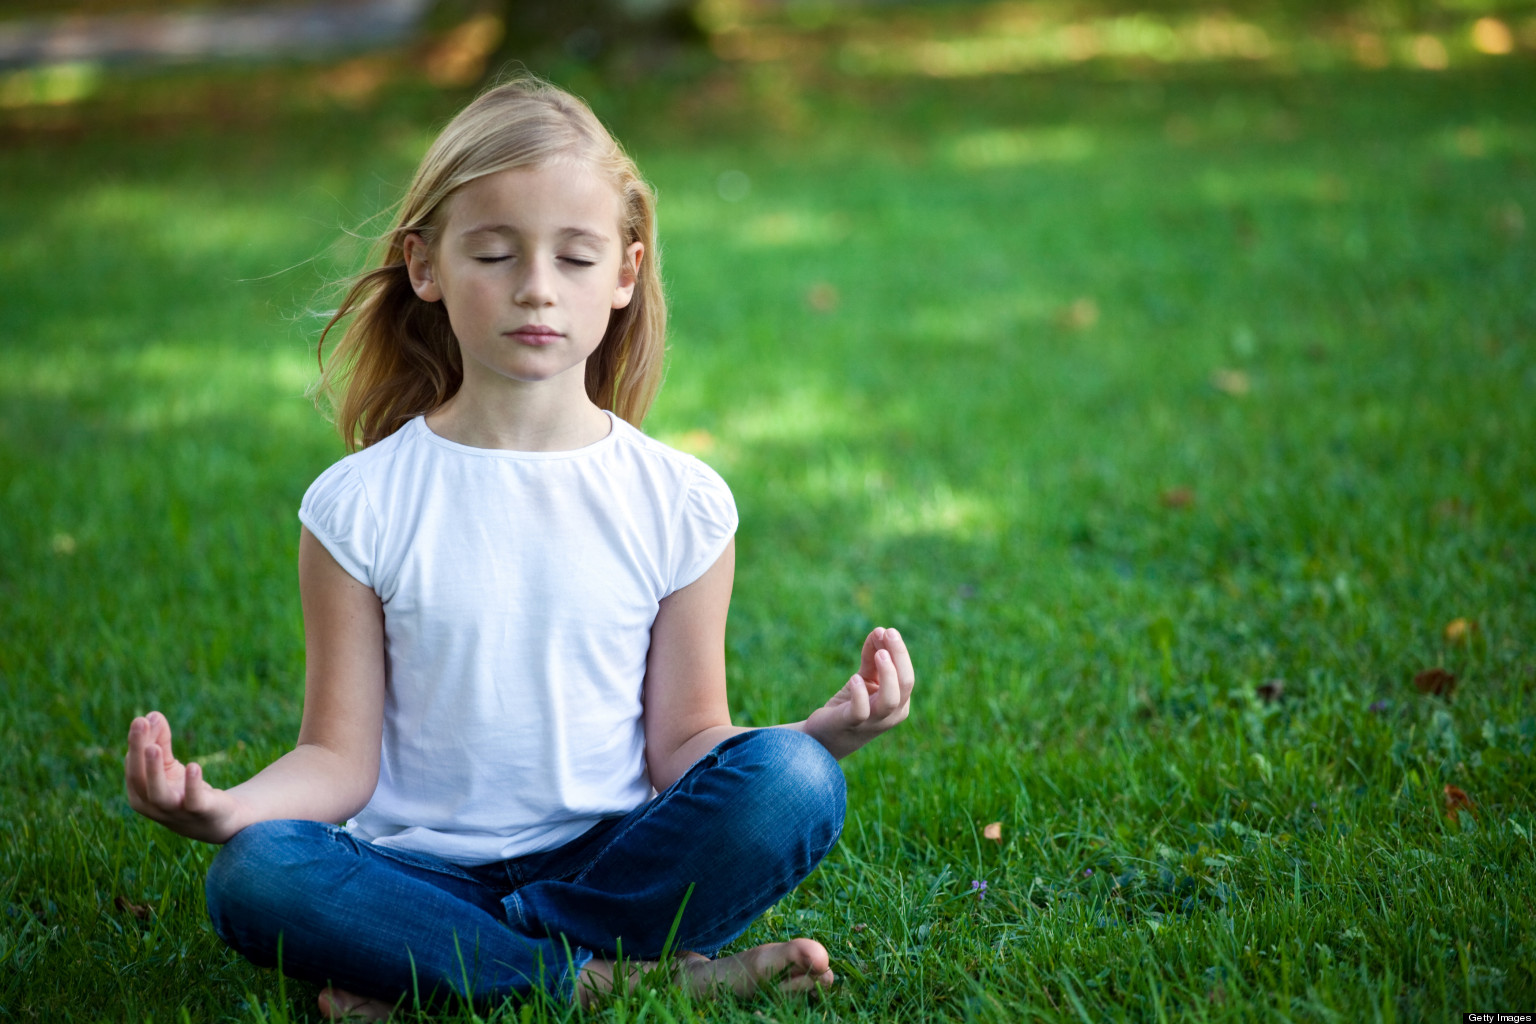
(398, 358)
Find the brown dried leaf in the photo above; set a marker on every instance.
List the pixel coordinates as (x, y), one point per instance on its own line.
(993, 832)
(1436, 681)
(1454, 509)
(822, 297)
(695, 442)
(1459, 631)
(1231, 382)
(1177, 497)
(1079, 315)
(1456, 799)
(1270, 691)
(138, 910)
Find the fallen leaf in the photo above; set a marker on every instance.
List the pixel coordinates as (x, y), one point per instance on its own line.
(695, 442)
(1508, 219)
(1079, 315)
(138, 910)
(1453, 508)
(1459, 631)
(1176, 497)
(860, 927)
(1271, 690)
(1231, 382)
(822, 297)
(993, 832)
(1436, 681)
(1456, 799)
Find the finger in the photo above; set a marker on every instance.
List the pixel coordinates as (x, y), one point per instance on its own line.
(903, 661)
(133, 762)
(872, 644)
(160, 734)
(889, 697)
(157, 788)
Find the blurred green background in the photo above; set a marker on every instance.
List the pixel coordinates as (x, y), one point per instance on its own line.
(1165, 371)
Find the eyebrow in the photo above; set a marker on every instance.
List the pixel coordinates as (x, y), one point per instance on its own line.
(585, 234)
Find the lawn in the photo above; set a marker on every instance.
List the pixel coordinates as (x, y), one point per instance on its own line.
(1182, 413)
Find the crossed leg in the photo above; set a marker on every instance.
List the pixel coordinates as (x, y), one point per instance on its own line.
(695, 866)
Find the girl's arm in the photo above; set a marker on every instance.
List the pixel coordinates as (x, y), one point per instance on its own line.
(686, 713)
(332, 771)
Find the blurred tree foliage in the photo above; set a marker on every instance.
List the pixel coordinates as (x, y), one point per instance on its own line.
(578, 24)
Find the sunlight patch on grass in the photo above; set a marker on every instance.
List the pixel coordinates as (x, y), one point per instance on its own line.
(1016, 39)
(940, 511)
(178, 385)
(785, 228)
(804, 414)
(1484, 139)
(165, 384)
(975, 40)
(1018, 147)
(172, 219)
(52, 85)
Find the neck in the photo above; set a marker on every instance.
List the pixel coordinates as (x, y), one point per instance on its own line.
(526, 419)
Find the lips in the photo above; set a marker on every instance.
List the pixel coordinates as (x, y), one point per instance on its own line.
(535, 334)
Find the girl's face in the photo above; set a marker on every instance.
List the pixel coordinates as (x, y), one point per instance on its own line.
(530, 265)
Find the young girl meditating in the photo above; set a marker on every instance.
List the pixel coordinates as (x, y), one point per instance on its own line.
(514, 617)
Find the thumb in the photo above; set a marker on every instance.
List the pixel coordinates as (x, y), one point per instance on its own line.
(198, 795)
(858, 704)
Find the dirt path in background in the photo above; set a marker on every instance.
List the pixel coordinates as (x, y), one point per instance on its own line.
(258, 33)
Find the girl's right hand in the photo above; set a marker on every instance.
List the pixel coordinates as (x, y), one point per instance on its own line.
(176, 795)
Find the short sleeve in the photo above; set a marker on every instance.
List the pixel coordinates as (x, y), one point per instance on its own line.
(706, 523)
(337, 512)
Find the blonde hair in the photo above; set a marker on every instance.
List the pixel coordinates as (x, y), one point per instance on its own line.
(398, 358)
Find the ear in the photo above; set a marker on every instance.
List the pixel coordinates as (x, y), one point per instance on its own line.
(418, 264)
(629, 274)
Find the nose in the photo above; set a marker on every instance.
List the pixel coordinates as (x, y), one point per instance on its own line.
(535, 286)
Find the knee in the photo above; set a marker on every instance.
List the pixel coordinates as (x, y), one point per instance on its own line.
(794, 777)
(260, 874)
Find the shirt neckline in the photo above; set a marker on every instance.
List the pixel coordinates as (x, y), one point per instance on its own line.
(419, 424)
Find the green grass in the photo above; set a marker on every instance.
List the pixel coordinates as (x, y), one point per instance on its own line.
(1121, 393)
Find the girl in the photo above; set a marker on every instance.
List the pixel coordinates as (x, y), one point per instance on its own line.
(514, 614)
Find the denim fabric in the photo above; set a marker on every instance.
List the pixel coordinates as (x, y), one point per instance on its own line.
(743, 827)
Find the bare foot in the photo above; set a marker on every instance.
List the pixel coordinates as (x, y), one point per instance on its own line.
(799, 965)
(337, 1004)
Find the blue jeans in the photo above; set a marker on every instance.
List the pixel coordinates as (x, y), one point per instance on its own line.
(742, 828)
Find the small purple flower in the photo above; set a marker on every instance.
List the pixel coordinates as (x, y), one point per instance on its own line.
(1378, 706)
(1087, 872)
(979, 887)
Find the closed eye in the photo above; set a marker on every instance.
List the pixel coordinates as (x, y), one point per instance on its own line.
(492, 259)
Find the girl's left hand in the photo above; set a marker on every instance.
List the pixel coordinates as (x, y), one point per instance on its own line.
(877, 698)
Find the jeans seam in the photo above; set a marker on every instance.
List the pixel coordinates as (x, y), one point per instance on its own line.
(433, 864)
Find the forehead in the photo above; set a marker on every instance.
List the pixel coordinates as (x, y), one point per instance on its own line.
(559, 195)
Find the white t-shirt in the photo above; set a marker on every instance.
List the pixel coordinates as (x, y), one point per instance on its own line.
(519, 589)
